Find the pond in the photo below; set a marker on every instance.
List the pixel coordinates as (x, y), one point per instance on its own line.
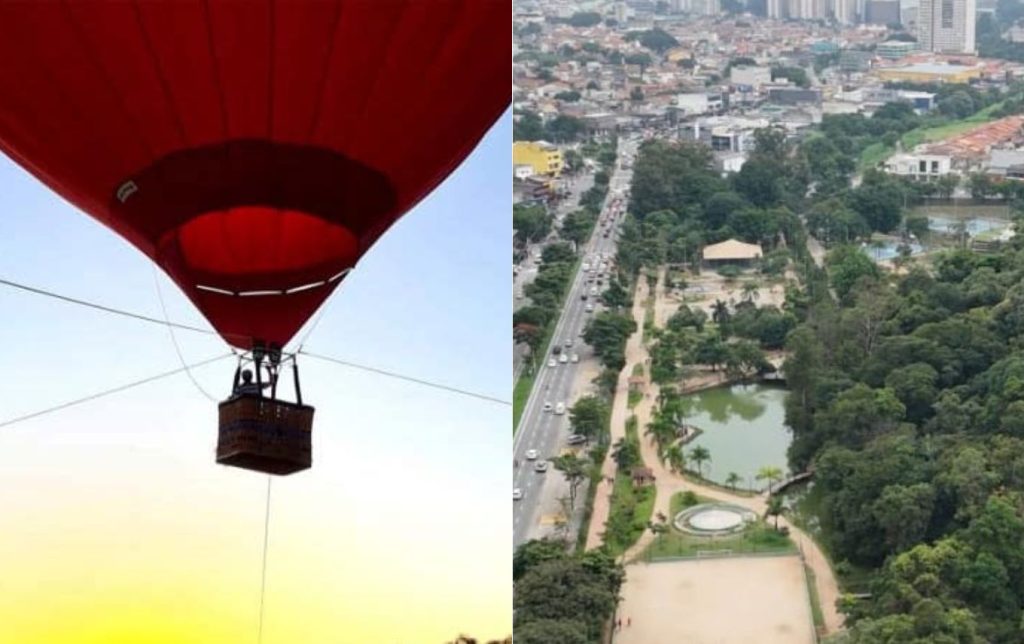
(948, 224)
(744, 429)
(881, 251)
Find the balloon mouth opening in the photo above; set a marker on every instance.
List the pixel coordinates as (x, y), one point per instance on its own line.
(259, 250)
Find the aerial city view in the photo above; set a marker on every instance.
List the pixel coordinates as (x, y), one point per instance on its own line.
(768, 327)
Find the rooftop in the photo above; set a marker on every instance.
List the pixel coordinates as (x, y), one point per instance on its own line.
(732, 249)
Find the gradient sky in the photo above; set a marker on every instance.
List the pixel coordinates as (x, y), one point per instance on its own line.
(116, 525)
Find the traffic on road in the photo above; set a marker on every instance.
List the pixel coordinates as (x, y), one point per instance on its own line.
(544, 428)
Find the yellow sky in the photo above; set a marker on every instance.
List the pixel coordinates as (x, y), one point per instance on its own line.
(124, 536)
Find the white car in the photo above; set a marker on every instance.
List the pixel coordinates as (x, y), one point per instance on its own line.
(586, 267)
(517, 494)
(540, 466)
(575, 357)
(589, 309)
(548, 406)
(560, 408)
(552, 363)
(531, 455)
(563, 358)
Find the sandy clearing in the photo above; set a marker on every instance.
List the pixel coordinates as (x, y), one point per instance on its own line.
(667, 483)
(734, 600)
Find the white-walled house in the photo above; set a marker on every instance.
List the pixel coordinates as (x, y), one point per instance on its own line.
(920, 167)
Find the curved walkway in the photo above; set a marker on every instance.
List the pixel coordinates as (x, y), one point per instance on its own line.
(668, 483)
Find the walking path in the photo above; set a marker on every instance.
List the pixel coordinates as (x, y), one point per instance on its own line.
(668, 483)
(635, 353)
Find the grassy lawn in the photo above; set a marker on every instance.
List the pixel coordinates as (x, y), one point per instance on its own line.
(873, 155)
(634, 398)
(878, 152)
(923, 135)
(682, 500)
(759, 537)
(631, 510)
(631, 506)
(520, 394)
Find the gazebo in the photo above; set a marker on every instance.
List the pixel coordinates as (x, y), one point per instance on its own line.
(731, 251)
(642, 476)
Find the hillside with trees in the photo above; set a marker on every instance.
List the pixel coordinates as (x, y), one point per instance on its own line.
(908, 401)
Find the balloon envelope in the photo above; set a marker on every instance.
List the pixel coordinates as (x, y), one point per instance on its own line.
(254, 150)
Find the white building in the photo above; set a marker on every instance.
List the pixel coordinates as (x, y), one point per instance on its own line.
(730, 162)
(845, 11)
(807, 9)
(946, 26)
(693, 104)
(753, 76)
(775, 9)
(522, 171)
(919, 167)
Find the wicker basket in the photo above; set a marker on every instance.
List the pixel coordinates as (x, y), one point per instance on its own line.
(265, 435)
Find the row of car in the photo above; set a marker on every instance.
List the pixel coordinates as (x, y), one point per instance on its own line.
(541, 466)
(562, 359)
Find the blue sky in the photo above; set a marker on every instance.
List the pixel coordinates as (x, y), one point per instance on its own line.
(406, 480)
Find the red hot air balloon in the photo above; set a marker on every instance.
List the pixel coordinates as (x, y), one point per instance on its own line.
(253, 149)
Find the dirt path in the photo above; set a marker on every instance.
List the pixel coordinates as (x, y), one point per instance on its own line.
(635, 353)
(668, 483)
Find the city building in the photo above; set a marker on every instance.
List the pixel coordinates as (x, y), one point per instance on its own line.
(1006, 163)
(845, 11)
(807, 9)
(723, 133)
(824, 47)
(794, 95)
(895, 49)
(543, 157)
(946, 26)
(931, 73)
(883, 12)
(692, 104)
(919, 167)
(750, 76)
(854, 60)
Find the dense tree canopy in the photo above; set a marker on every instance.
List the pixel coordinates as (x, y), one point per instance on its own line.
(908, 399)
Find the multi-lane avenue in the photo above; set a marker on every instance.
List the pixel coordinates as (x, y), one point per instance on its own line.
(527, 269)
(546, 431)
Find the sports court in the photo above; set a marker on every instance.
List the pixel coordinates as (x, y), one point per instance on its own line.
(733, 600)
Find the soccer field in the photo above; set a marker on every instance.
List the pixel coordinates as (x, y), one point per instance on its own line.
(734, 600)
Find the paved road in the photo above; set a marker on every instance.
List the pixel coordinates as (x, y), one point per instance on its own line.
(543, 431)
(528, 267)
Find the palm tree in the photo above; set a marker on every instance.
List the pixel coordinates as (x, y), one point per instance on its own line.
(732, 480)
(700, 454)
(720, 312)
(771, 474)
(676, 458)
(750, 291)
(775, 508)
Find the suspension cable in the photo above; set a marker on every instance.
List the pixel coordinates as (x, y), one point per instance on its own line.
(107, 392)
